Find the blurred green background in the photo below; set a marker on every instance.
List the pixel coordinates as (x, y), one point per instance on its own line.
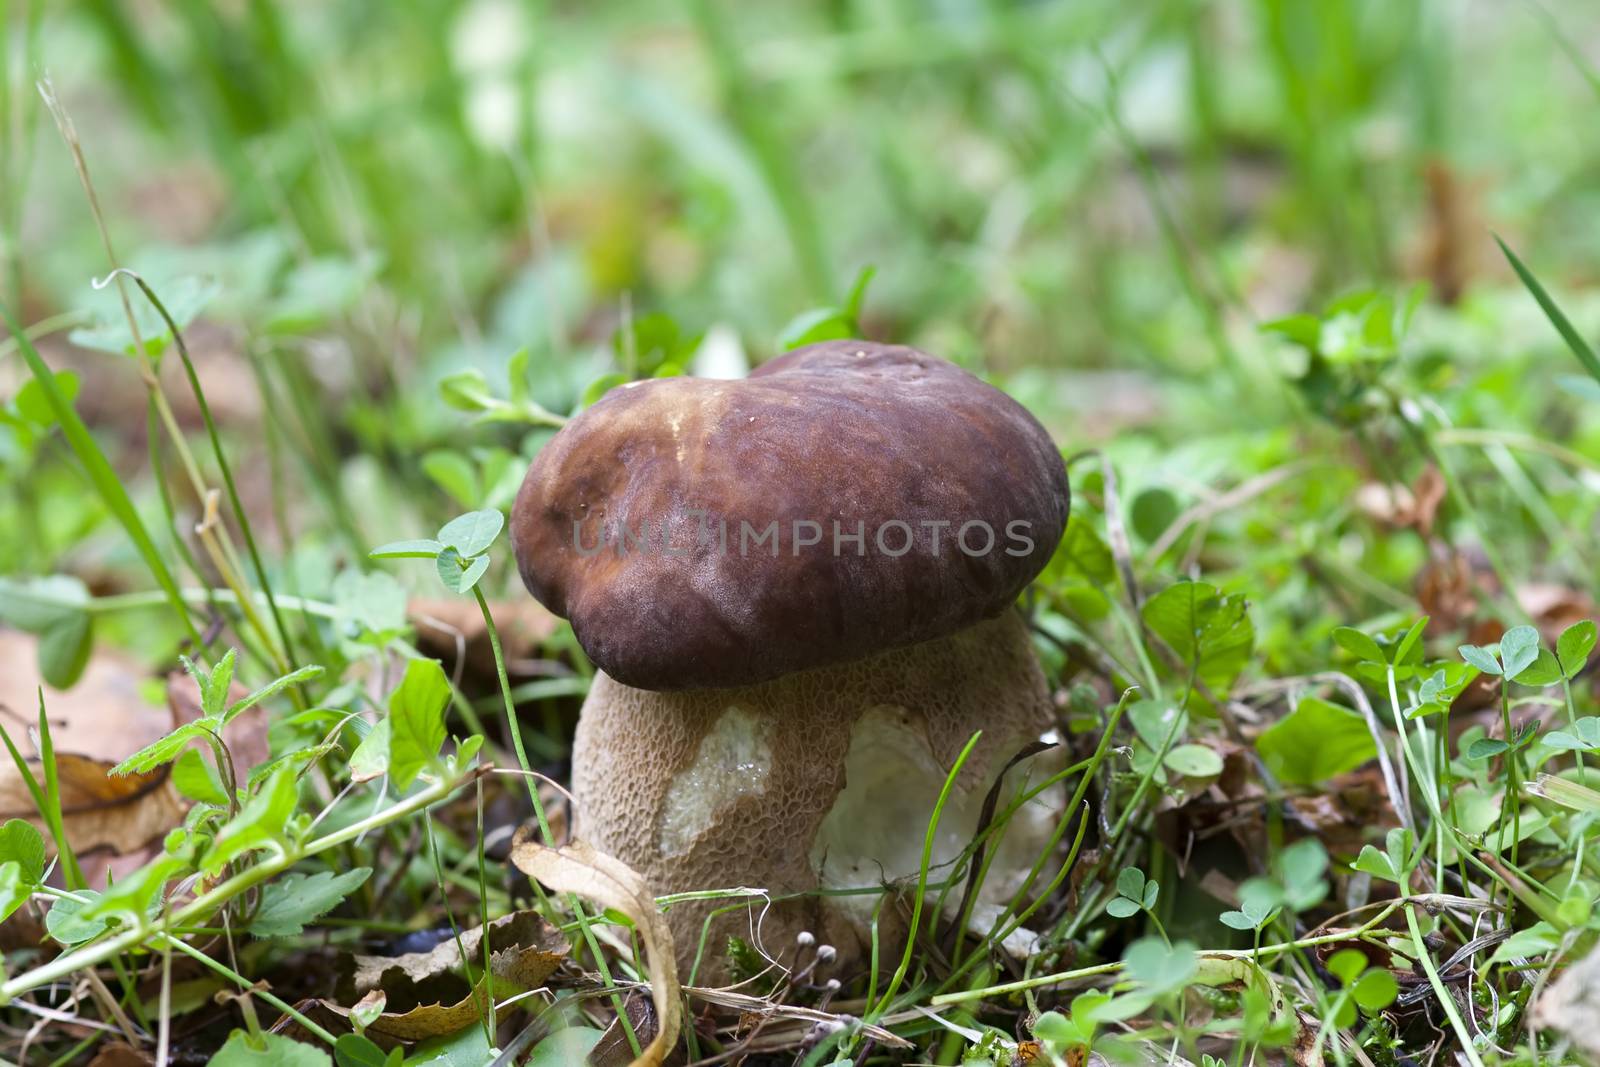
(1097, 204)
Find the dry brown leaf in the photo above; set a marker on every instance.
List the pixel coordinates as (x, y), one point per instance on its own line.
(105, 715)
(93, 726)
(1572, 1003)
(122, 813)
(579, 868)
(120, 1054)
(529, 950)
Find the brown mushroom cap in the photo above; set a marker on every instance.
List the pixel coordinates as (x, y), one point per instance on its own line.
(882, 440)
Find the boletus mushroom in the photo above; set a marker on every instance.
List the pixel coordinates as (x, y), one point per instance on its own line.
(799, 589)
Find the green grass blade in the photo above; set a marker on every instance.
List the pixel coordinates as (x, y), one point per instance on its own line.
(101, 475)
(1558, 319)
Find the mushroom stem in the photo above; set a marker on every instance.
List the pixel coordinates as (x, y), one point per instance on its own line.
(813, 785)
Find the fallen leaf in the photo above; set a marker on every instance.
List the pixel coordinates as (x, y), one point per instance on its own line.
(93, 725)
(98, 810)
(524, 951)
(105, 715)
(120, 1054)
(1572, 1003)
(579, 868)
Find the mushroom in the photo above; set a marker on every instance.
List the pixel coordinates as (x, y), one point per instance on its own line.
(799, 589)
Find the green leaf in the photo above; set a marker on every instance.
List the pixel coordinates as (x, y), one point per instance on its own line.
(371, 758)
(1584, 737)
(1151, 512)
(1159, 968)
(1409, 641)
(1152, 892)
(1153, 720)
(1121, 907)
(416, 718)
(52, 608)
(139, 893)
(358, 1050)
(454, 473)
(15, 889)
(1564, 327)
(600, 387)
(1376, 864)
(288, 904)
(317, 291)
(1486, 748)
(1315, 742)
(564, 1047)
(1546, 670)
(468, 1048)
(1080, 554)
(1528, 943)
(817, 324)
(268, 1050)
(472, 534)
(1347, 965)
(1130, 883)
(260, 824)
(1238, 920)
(35, 604)
(184, 298)
(1519, 647)
(375, 602)
(1210, 631)
(214, 693)
(1574, 645)
(65, 921)
(22, 843)
(165, 749)
(468, 390)
(1375, 990)
(1358, 644)
(458, 575)
(34, 406)
(195, 778)
(64, 650)
(270, 690)
(1301, 866)
(1480, 658)
(1194, 761)
(422, 548)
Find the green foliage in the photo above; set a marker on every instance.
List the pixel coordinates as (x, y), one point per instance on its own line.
(1210, 631)
(54, 610)
(1134, 894)
(261, 823)
(217, 712)
(416, 720)
(290, 903)
(1394, 863)
(21, 844)
(268, 1050)
(1315, 742)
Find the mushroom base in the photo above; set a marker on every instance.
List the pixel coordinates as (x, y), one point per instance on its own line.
(820, 780)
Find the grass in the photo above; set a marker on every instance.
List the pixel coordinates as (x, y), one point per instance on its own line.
(1311, 284)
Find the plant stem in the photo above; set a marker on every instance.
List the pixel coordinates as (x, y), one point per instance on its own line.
(532, 781)
(1446, 1001)
(93, 954)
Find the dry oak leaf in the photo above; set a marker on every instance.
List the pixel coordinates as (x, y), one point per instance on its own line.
(579, 868)
(524, 950)
(93, 725)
